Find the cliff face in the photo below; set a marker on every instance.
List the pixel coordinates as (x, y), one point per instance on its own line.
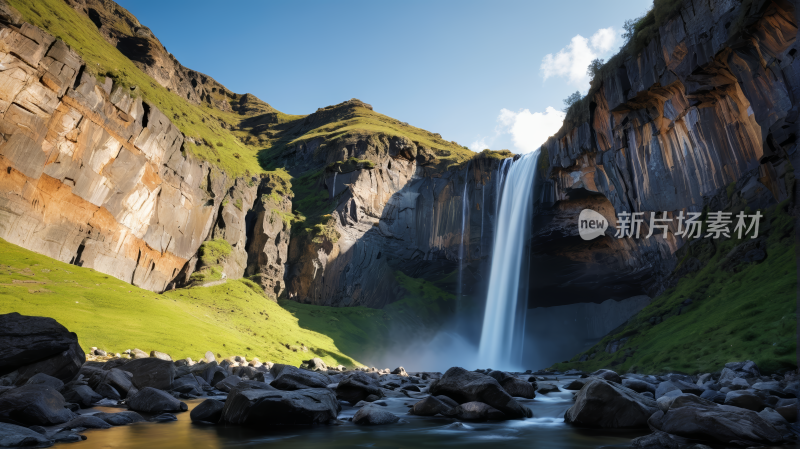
(94, 177)
(393, 217)
(699, 118)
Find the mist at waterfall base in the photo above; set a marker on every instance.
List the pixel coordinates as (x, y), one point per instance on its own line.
(496, 338)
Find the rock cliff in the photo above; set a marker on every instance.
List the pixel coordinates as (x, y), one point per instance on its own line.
(706, 115)
(98, 178)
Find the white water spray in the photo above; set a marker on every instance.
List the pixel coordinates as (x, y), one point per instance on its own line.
(333, 192)
(504, 319)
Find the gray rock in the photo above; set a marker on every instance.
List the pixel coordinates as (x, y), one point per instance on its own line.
(465, 386)
(228, 383)
(745, 399)
(209, 411)
(692, 417)
(639, 386)
(714, 396)
(429, 406)
(107, 391)
(574, 385)
(315, 364)
(139, 354)
(789, 412)
(545, 388)
(275, 408)
(447, 401)
(189, 384)
(151, 372)
(606, 404)
(67, 436)
(120, 418)
(518, 388)
(665, 401)
(738, 383)
(87, 422)
(774, 418)
(31, 345)
(18, 436)
(664, 388)
(374, 415)
(164, 417)
(44, 379)
(607, 374)
(475, 411)
(659, 440)
(210, 357)
(82, 395)
(151, 400)
(356, 386)
(291, 378)
(400, 371)
(34, 405)
(120, 380)
(160, 355)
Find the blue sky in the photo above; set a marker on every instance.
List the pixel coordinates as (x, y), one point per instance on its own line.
(476, 72)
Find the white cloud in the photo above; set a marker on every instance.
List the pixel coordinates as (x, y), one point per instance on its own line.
(572, 61)
(530, 130)
(479, 145)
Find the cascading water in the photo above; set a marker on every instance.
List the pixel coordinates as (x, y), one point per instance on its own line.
(333, 192)
(504, 318)
(464, 210)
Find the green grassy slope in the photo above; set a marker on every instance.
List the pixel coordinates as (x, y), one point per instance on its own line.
(228, 319)
(747, 315)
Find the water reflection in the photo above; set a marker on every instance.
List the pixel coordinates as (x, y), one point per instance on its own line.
(546, 430)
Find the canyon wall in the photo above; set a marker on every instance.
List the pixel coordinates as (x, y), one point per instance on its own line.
(97, 178)
(704, 116)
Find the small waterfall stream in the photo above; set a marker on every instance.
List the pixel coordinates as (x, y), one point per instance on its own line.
(504, 318)
(464, 211)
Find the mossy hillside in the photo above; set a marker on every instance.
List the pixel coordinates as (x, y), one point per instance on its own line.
(229, 319)
(207, 126)
(747, 315)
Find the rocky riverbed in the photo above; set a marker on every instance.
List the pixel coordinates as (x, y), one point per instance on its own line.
(50, 394)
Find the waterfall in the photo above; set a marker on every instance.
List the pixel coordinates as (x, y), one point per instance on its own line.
(506, 302)
(464, 210)
(333, 192)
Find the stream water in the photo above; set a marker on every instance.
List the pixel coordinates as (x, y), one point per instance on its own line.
(546, 430)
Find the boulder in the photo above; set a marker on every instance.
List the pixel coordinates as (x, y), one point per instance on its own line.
(357, 386)
(429, 406)
(209, 411)
(107, 391)
(789, 412)
(545, 388)
(714, 396)
(139, 354)
(602, 403)
(518, 388)
(400, 371)
(160, 355)
(228, 383)
(87, 422)
(575, 384)
(475, 411)
(639, 386)
(120, 418)
(664, 388)
(607, 374)
(275, 408)
(291, 378)
(315, 364)
(188, 384)
(659, 440)
(17, 436)
(34, 405)
(151, 372)
(44, 379)
(80, 394)
(465, 386)
(120, 380)
(164, 417)
(745, 399)
(32, 345)
(693, 417)
(775, 418)
(151, 400)
(374, 415)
